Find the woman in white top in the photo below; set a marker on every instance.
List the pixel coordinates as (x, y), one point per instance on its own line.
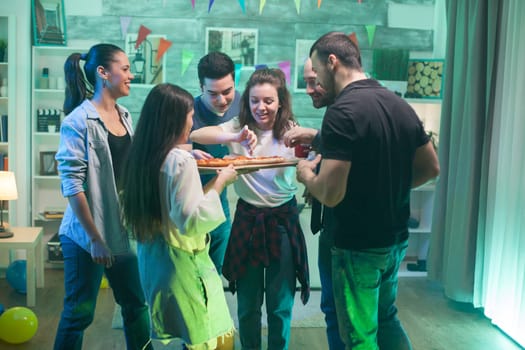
(266, 250)
(170, 215)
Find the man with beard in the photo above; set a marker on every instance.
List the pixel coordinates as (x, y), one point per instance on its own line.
(321, 216)
(375, 150)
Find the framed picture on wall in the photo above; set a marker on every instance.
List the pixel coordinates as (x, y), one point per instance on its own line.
(144, 64)
(48, 164)
(302, 52)
(238, 43)
(49, 22)
(425, 78)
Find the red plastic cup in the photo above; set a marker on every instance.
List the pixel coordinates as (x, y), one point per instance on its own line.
(302, 150)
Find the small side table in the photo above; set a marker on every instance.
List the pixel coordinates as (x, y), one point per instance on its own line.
(29, 239)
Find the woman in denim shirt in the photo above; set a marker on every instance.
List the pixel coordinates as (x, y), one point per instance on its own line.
(94, 139)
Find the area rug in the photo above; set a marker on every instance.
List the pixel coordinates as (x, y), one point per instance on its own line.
(308, 315)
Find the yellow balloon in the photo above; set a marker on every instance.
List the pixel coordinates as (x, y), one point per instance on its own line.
(18, 325)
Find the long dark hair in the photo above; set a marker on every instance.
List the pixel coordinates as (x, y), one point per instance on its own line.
(277, 79)
(162, 122)
(80, 85)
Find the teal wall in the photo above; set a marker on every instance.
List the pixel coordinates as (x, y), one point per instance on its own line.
(279, 26)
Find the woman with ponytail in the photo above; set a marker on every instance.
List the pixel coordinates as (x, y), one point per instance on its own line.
(94, 140)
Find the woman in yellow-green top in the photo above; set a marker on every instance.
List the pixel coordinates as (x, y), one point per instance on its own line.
(170, 215)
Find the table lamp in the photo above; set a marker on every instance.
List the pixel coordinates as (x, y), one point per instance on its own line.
(7, 192)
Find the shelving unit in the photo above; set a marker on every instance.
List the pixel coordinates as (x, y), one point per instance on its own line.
(47, 96)
(7, 101)
(422, 198)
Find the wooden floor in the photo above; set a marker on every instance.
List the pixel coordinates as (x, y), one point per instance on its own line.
(432, 321)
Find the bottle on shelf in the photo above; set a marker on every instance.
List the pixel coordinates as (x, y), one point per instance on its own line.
(44, 79)
(3, 88)
(52, 83)
(61, 83)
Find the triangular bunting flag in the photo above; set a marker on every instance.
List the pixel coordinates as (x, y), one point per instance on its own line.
(353, 37)
(210, 4)
(243, 6)
(371, 30)
(261, 66)
(143, 33)
(164, 45)
(261, 5)
(124, 24)
(319, 3)
(187, 56)
(285, 67)
(238, 67)
(298, 6)
(193, 3)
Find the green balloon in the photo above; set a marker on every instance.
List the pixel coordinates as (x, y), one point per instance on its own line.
(18, 325)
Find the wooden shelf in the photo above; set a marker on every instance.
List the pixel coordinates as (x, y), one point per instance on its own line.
(45, 189)
(425, 229)
(49, 91)
(46, 177)
(423, 100)
(8, 100)
(46, 134)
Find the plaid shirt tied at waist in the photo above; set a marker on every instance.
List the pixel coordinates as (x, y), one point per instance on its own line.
(256, 240)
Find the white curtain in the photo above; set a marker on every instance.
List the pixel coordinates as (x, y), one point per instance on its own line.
(478, 229)
(499, 285)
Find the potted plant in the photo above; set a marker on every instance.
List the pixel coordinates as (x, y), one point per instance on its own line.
(3, 49)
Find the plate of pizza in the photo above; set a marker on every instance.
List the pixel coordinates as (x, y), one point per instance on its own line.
(244, 163)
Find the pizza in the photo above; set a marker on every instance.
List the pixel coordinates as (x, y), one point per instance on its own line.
(239, 161)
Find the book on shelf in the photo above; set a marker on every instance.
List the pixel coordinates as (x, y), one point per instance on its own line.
(53, 214)
(3, 128)
(4, 162)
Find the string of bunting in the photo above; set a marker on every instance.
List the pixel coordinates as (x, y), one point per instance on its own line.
(262, 3)
(188, 55)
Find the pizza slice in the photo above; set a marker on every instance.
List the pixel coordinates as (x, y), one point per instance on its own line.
(239, 161)
(213, 162)
(264, 160)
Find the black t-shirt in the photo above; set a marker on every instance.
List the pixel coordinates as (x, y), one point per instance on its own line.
(378, 132)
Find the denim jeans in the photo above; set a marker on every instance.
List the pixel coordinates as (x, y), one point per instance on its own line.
(324, 263)
(278, 280)
(220, 237)
(365, 290)
(82, 282)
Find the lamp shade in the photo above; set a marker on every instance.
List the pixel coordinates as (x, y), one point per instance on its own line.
(7, 186)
